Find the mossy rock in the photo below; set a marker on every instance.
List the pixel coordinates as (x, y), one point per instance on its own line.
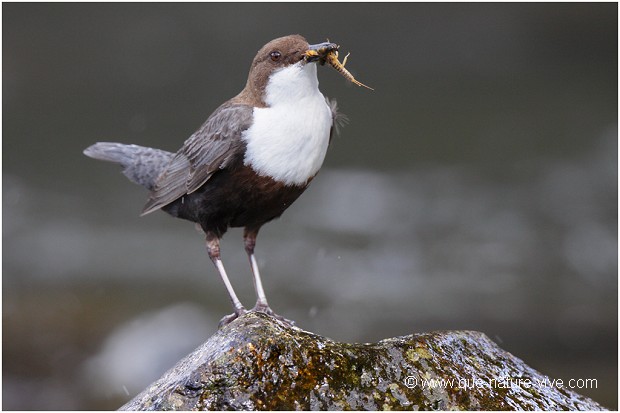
(258, 363)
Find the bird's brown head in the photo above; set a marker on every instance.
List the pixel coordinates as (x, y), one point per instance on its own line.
(277, 54)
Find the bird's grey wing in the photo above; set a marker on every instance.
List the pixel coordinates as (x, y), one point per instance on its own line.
(209, 149)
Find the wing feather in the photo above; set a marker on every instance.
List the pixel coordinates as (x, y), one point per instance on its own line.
(209, 149)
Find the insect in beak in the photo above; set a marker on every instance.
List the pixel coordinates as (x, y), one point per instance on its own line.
(328, 53)
(318, 52)
(332, 59)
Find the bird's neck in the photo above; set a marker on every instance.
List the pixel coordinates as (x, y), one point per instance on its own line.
(286, 86)
(292, 84)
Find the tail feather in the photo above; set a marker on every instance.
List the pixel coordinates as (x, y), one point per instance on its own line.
(140, 164)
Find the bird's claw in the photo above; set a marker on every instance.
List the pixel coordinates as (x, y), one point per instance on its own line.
(231, 317)
(265, 309)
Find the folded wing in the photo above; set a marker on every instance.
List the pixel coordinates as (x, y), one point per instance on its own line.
(209, 149)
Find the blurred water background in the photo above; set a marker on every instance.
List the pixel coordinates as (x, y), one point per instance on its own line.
(475, 188)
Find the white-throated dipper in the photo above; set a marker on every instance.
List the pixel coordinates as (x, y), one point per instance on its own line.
(251, 159)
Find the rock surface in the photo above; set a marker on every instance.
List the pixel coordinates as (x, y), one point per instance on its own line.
(258, 363)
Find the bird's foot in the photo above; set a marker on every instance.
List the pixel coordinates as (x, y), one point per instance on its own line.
(231, 317)
(262, 308)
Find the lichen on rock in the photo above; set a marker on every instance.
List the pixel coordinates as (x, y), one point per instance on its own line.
(259, 363)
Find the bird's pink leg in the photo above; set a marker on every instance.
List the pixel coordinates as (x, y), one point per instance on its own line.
(249, 240)
(213, 248)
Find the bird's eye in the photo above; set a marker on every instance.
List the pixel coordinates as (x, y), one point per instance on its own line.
(275, 55)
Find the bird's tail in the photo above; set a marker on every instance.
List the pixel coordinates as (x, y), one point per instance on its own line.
(140, 164)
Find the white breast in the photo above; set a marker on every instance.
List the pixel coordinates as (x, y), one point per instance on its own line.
(288, 139)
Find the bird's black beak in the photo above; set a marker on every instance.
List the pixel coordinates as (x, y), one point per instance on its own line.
(318, 52)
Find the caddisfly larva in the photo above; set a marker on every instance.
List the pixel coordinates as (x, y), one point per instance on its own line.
(332, 59)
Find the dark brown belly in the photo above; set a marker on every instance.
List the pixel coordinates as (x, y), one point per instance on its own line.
(235, 198)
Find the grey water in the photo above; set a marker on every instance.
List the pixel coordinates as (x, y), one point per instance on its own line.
(475, 188)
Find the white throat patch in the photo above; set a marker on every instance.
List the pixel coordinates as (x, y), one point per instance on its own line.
(289, 138)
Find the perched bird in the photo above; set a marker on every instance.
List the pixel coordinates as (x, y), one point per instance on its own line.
(251, 159)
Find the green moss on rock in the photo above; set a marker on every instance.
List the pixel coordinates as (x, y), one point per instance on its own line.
(258, 363)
